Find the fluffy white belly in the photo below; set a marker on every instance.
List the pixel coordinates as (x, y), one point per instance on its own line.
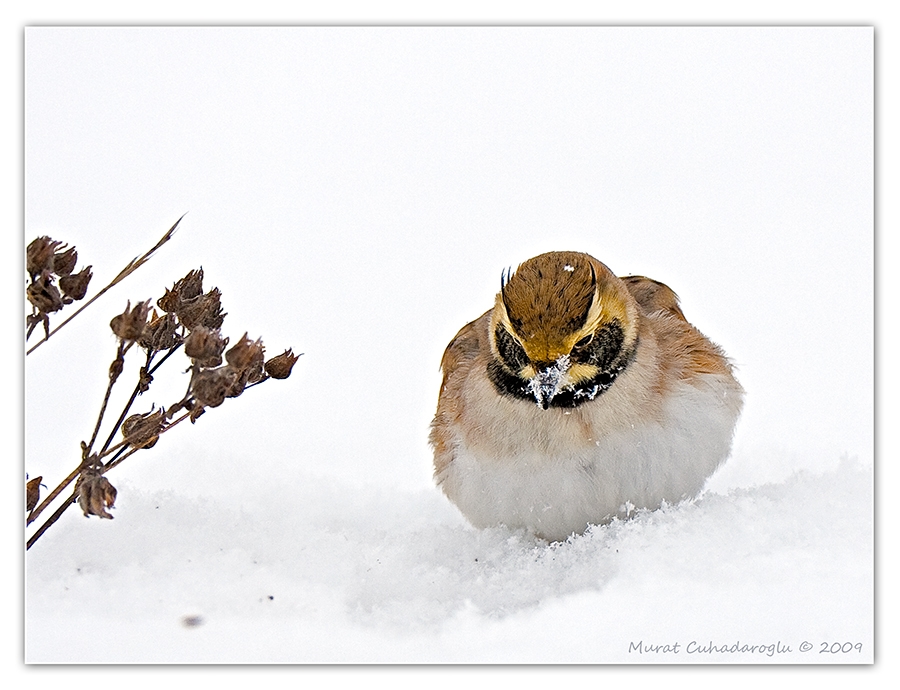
(601, 475)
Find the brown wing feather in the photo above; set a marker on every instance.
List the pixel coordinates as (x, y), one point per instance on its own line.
(464, 346)
(692, 351)
(461, 351)
(653, 295)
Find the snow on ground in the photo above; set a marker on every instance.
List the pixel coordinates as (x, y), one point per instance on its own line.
(328, 573)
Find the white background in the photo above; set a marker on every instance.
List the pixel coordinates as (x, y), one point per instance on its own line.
(356, 193)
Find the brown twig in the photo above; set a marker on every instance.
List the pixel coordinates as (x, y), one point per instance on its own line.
(119, 460)
(134, 394)
(120, 354)
(53, 518)
(106, 450)
(132, 266)
(86, 451)
(33, 515)
(192, 319)
(103, 470)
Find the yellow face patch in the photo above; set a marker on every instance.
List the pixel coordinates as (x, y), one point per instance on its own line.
(579, 373)
(602, 312)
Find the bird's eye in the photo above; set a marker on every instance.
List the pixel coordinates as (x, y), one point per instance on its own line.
(509, 349)
(585, 341)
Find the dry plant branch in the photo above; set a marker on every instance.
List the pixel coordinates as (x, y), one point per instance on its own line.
(71, 500)
(53, 518)
(132, 266)
(190, 322)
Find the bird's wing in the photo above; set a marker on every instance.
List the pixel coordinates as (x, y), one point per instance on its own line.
(689, 350)
(653, 296)
(463, 347)
(456, 363)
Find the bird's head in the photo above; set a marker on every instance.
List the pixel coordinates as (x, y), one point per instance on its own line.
(562, 329)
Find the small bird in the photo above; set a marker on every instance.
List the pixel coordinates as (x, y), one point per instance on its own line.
(579, 398)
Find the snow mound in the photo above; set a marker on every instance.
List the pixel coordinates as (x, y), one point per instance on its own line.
(328, 573)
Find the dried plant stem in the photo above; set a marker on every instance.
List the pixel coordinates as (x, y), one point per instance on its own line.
(103, 470)
(162, 361)
(134, 394)
(123, 348)
(132, 266)
(115, 429)
(192, 318)
(119, 460)
(53, 518)
(86, 450)
(34, 514)
(56, 492)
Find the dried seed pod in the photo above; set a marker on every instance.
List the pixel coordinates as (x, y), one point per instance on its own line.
(169, 301)
(145, 378)
(44, 295)
(190, 312)
(210, 386)
(39, 255)
(213, 316)
(205, 346)
(76, 284)
(142, 430)
(32, 320)
(203, 310)
(161, 333)
(246, 354)
(240, 379)
(118, 364)
(195, 411)
(279, 367)
(130, 324)
(95, 494)
(256, 373)
(32, 493)
(191, 285)
(185, 289)
(64, 261)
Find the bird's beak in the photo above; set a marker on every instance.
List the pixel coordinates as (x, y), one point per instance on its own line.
(548, 381)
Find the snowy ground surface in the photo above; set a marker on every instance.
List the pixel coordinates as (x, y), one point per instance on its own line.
(327, 574)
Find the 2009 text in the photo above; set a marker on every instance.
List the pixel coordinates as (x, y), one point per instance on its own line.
(840, 647)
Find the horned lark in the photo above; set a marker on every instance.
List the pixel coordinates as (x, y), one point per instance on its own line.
(579, 398)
